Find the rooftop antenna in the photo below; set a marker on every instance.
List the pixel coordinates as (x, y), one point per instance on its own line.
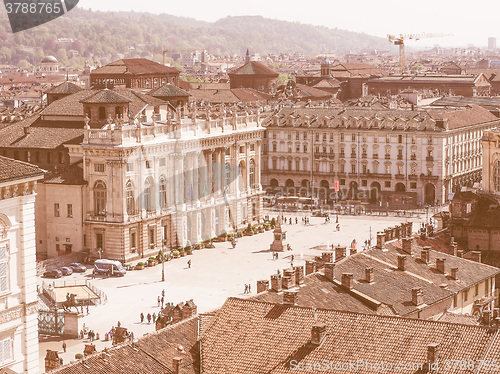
(315, 314)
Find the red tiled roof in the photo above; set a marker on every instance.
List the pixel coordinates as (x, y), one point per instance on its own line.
(254, 68)
(254, 337)
(472, 115)
(134, 66)
(13, 170)
(64, 88)
(105, 96)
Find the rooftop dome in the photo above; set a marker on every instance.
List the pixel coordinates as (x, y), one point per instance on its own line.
(49, 60)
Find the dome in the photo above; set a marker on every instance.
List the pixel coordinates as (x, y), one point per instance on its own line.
(49, 60)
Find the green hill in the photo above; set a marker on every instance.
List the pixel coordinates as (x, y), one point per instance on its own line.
(106, 34)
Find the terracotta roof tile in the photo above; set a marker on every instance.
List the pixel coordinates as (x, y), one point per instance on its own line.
(64, 88)
(134, 66)
(254, 337)
(13, 170)
(254, 68)
(104, 96)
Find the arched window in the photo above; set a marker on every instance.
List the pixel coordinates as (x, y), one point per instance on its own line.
(148, 195)
(99, 198)
(251, 173)
(163, 193)
(496, 176)
(130, 198)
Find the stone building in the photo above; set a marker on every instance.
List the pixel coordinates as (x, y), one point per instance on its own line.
(133, 73)
(398, 158)
(256, 75)
(18, 297)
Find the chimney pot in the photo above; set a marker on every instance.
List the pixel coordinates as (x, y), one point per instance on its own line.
(310, 267)
(402, 262)
(176, 363)
(440, 264)
(327, 257)
(339, 253)
(454, 273)
(369, 275)
(348, 280)
(476, 256)
(460, 253)
(417, 296)
(299, 275)
(330, 271)
(432, 353)
(276, 284)
(290, 297)
(262, 285)
(380, 240)
(424, 255)
(406, 245)
(318, 332)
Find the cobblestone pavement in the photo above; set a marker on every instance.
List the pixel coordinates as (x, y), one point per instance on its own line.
(215, 274)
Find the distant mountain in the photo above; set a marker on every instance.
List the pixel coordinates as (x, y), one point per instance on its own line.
(108, 34)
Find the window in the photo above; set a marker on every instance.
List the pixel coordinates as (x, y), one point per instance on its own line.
(297, 148)
(152, 236)
(387, 139)
(353, 168)
(130, 166)
(99, 198)
(130, 198)
(163, 193)
(70, 210)
(305, 148)
(4, 286)
(148, 195)
(413, 185)
(148, 164)
(476, 290)
(56, 210)
(99, 167)
(341, 137)
(5, 351)
(317, 137)
(400, 139)
(252, 147)
(58, 247)
(251, 172)
(133, 239)
(324, 137)
(99, 240)
(387, 184)
(275, 147)
(353, 137)
(496, 176)
(297, 135)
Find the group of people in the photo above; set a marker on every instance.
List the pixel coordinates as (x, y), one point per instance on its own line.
(275, 255)
(149, 317)
(248, 288)
(90, 334)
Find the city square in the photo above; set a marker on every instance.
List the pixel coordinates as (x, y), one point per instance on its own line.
(215, 274)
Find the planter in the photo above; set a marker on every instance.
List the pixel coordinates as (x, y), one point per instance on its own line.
(176, 254)
(152, 263)
(139, 266)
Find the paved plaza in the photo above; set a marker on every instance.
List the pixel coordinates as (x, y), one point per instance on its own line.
(215, 275)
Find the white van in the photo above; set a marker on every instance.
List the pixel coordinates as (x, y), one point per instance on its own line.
(109, 267)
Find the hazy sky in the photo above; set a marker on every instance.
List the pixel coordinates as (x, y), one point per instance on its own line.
(458, 17)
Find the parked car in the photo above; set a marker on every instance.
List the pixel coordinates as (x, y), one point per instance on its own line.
(319, 213)
(53, 274)
(77, 267)
(66, 270)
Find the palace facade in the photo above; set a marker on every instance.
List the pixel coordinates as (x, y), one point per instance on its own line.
(398, 158)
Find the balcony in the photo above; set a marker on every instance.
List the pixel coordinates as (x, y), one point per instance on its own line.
(387, 157)
(364, 155)
(399, 176)
(400, 157)
(412, 177)
(413, 157)
(375, 156)
(428, 177)
(429, 158)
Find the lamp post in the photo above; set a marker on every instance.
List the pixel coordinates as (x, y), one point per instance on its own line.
(162, 257)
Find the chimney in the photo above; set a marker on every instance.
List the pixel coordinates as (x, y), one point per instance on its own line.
(176, 363)
(52, 360)
(417, 296)
(276, 284)
(401, 262)
(262, 285)
(440, 264)
(27, 130)
(432, 353)
(327, 257)
(348, 280)
(288, 278)
(486, 319)
(454, 273)
(330, 271)
(369, 275)
(406, 245)
(310, 267)
(339, 253)
(460, 253)
(452, 240)
(476, 256)
(290, 297)
(299, 275)
(380, 240)
(424, 255)
(352, 251)
(455, 248)
(318, 333)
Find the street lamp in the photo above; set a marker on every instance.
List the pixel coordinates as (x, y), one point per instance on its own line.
(162, 257)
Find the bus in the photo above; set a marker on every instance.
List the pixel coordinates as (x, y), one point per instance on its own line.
(109, 267)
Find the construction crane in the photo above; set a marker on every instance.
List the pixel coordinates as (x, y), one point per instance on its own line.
(164, 52)
(400, 40)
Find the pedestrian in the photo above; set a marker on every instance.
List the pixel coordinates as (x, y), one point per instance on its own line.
(296, 221)
(189, 264)
(149, 318)
(338, 227)
(132, 336)
(118, 324)
(162, 299)
(278, 272)
(292, 258)
(64, 347)
(337, 219)
(163, 293)
(159, 300)
(246, 289)
(249, 288)
(154, 317)
(87, 309)
(142, 317)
